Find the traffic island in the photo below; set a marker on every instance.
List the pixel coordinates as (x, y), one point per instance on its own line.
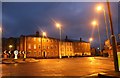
(12, 61)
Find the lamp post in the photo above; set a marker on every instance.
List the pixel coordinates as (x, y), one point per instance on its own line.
(113, 40)
(59, 27)
(90, 40)
(0, 38)
(43, 35)
(99, 8)
(94, 23)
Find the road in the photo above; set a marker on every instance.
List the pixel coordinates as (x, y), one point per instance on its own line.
(81, 66)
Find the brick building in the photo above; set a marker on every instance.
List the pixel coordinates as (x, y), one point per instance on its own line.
(81, 48)
(47, 47)
(39, 47)
(67, 48)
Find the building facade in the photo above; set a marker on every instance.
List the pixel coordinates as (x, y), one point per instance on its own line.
(67, 48)
(81, 48)
(47, 47)
(39, 47)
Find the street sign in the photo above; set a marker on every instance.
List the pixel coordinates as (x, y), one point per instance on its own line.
(16, 53)
(118, 53)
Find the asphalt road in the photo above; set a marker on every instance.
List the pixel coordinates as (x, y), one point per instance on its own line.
(81, 66)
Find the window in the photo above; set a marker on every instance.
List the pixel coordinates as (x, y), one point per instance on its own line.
(35, 52)
(39, 40)
(34, 39)
(55, 46)
(34, 46)
(51, 46)
(29, 46)
(29, 52)
(43, 47)
(67, 49)
(39, 46)
(55, 40)
(48, 47)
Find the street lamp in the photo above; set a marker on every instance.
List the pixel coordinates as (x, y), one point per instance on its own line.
(44, 34)
(58, 25)
(90, 39)
(100, 8)
(10, 46)
(94, 23)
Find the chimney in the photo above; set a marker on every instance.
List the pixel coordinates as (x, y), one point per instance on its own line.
(37, 33)
(66, 37)
(80, 39)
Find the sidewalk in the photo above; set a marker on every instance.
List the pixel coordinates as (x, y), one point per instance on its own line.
(109, 74)
(20, 60)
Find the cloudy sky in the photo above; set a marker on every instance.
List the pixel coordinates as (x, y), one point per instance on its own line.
(24, 18)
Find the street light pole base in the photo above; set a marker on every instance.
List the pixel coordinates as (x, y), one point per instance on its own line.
(60, 57)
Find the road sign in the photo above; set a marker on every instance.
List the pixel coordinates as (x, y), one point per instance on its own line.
(16, 53)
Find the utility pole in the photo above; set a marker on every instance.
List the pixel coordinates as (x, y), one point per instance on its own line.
(113, 40)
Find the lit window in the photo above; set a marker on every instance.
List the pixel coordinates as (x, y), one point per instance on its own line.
(39, 40)
(48, 47)
(34, 46)
(34, 39)
(29, 46)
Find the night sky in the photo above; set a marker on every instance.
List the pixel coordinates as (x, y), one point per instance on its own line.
(25, 18)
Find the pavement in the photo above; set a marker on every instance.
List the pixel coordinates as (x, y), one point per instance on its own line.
(108, 74)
